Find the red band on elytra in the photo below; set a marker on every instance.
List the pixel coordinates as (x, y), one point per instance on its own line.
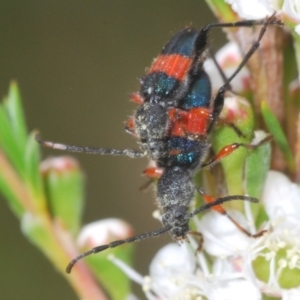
(192, 122)
(173, 65)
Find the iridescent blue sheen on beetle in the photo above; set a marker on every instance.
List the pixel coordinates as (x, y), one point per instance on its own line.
(182, 43)
(158, 86)
(188, 152)
(200, 95)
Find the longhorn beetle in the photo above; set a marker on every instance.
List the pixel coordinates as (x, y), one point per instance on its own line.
(173, 123)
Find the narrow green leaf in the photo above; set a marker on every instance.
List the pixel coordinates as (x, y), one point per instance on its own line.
(233, 164)
(32, 160)
(278, 135)
(256, 170)
(10, 196)
(8, 143)
(16, 117)
(236, 111)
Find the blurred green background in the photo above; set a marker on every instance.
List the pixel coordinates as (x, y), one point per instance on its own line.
(76, 63)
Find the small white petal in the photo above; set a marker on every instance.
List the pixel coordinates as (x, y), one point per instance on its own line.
(171, 264)
(172, 257)
(223, 266)
(234, 290)
(292, 9)
(254, 9)
(221, 237)
(281, 193)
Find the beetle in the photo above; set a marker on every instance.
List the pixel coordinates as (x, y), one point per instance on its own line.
(172, 123)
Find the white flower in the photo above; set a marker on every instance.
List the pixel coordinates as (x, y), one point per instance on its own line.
(103, 232)
(281, 247)
(172, 275)
(259, 9)
(169, 261)
(239, 267)
(292, 9)
(281, 194)
(254, 9)
(228, 58)
(234, 290)
(175, 275)
(221, 237)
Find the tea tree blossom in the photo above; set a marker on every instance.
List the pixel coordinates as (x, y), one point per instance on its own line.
(242, 267)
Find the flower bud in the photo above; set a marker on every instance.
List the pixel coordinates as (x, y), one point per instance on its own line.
(101, 233)
(64, 185)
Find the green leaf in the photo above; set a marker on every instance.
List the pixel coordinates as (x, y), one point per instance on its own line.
(109, 274)
(8, 142)
(15, 113)
(7, 189)
(236, 111)
(278, 135)
(256, 169)
(233, 164)
(32, 160)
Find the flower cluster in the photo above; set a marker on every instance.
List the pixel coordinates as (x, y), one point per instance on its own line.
(259, 9)
(243, 267)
